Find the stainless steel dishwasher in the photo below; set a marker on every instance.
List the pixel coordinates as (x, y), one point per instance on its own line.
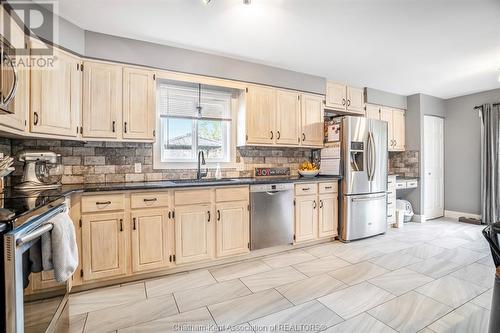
(271, 220)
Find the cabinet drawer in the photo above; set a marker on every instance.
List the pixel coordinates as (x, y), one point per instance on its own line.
(190, 197)
(391, 199)
(391, 209)
(103, 203)
(400, 185)
(149, 200)
(327, 187)
(411, 184)
(231, 194)
(308, 188)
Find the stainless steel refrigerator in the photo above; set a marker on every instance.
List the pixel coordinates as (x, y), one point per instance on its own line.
(364, 183)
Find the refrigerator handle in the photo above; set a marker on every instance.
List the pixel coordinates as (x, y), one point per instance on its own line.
(369, 162)
(373, 156)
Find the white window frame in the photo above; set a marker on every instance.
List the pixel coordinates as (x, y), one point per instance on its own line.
(182, 164)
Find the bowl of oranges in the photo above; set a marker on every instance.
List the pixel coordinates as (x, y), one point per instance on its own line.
(308, 169)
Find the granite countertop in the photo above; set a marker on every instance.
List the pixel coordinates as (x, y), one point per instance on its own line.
(24, 202)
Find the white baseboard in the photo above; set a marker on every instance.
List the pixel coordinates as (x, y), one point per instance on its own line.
(455, 215)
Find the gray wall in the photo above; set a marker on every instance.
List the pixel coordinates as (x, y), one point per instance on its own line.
(462, 151)
(132, 51)
(380, 97)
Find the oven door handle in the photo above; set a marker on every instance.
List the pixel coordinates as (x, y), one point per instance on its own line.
(34, 234)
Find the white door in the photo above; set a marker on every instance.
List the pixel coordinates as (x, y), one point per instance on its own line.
(433, 167)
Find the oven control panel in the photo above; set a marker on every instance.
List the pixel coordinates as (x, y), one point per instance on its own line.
(272, 172)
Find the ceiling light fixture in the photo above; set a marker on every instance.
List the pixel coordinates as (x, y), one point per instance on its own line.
(206, 2)
(247, 2)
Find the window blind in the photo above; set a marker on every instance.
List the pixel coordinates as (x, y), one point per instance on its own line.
(182, 102)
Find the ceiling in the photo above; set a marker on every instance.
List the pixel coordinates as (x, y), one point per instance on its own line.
(444, 48)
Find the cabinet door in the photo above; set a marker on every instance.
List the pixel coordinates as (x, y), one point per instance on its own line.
(232, 230)
(287, 118)
(386, 115)
(193, 233)
(372, 111)
(355, 100)
(260, 115)
(328, 215)
(103, 245)
(150, 239)
(336, 95)
(55, 96)
(102, 100)
(138, 104)
(398, 118)
(306, 218)
(312, 120)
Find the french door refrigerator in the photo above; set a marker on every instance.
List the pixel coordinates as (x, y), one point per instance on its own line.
(364, 185)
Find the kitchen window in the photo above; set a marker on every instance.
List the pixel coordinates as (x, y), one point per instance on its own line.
(194, 118)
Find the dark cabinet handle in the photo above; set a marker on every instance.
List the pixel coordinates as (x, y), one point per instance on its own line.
(149, 200)
(218, 215)
(35, 121)
(343, 101)
(321, 204)
(121, 224)
(113, 125)
(125, 127)
(303, 137)
(328, 187)
(272, 135)
(134, 220)
(278, 135)
(306, 189)
(314, 204)
(208, 212)
(103, 203)
(348, 102)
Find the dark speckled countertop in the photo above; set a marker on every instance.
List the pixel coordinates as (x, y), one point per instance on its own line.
(24, 202)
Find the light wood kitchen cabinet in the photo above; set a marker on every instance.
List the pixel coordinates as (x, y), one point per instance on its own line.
(345, 99)
(150, 239)
(328, 215)
(260, 115)
(398, 118)
(372, 111)
(56, 96)
(288, 121)
(306, 218)
(336, 95)
(139, 112)
(395, 119)
(232, 228)
(102, 100)
(194, 234)
(104, 245)
(312, 115)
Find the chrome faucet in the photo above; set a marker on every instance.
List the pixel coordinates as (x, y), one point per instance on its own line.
(201, 161)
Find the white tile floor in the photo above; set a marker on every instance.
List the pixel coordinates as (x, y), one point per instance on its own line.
(430, 277)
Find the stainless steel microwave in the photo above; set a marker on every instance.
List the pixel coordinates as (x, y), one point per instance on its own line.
(8, 76)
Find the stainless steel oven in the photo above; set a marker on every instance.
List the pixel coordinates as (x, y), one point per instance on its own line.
(8, 76)
(34, 312)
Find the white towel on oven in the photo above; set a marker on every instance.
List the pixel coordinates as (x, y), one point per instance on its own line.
(59, 248)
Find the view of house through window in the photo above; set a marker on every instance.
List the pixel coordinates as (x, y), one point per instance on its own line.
(194, 118)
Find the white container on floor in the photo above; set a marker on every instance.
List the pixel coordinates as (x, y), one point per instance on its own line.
(400, 218)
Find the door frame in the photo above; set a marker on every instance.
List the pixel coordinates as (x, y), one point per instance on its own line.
(440, 122)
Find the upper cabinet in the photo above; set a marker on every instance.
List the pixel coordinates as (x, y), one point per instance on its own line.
(276, 117)
(56, 96)
(396, 129)
(138, 104)
(345, 99)
(102, 100)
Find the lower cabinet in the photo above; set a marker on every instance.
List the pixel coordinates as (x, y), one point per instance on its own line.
(306, 218)
(151, 234)
(316, 212)
(328, 215)
(232, 228)
(193, 233)
(104, 245)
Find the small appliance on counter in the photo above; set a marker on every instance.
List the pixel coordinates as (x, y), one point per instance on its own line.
(42, 170)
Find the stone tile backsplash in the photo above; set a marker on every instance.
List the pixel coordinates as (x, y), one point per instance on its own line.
(405, 163)
(97, 162)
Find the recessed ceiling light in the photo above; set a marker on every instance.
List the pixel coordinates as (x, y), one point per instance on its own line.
(206, 2)
(247, 2)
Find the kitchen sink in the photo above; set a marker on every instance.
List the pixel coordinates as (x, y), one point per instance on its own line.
(204, 180)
